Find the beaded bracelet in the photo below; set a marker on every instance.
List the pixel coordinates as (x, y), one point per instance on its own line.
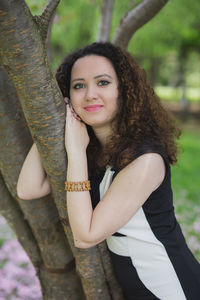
(78, 186)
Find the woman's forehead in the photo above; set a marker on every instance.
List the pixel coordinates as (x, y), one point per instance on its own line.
(92, 65)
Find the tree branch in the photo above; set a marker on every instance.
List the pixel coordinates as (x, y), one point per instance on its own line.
(43, 21)
(135, 19)
(15, 218)
(105, 23)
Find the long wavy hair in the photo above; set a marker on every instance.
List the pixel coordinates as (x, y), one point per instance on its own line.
(140, 119)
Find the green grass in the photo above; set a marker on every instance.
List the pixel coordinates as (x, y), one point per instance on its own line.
(186, 174)
(186, 187)
(169, 93)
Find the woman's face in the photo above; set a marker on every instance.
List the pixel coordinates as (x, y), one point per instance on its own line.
(94, 90)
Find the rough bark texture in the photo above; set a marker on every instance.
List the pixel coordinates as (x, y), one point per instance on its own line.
(114, 288)
(41, 215)
(10, 209)
(45, 19)
(24, 57)
(54, 282)
(106, 16)
(135, 19)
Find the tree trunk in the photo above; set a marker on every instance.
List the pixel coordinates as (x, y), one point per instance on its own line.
(184, 103)
(42, 219)
(24, 57)
(153, 71)
(105, 22)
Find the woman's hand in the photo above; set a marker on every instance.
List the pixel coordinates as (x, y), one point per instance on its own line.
(76, 136)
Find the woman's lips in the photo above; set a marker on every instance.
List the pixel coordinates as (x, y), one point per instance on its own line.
(93, 107)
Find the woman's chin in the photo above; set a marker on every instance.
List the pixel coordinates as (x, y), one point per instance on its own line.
(92, 122)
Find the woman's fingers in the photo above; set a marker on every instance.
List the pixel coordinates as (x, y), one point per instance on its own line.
(66, 100)
(71, 109)
(75, 115)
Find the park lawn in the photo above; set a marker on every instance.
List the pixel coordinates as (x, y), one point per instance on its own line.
(186, 188)
(186, 173)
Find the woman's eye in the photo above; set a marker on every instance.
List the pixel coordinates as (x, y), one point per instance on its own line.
(103, 82)
(78, 86)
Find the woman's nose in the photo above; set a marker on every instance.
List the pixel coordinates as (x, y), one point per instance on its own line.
(91, 93)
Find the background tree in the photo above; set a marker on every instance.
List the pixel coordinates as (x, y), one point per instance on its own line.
(169, 46)
(32, 109)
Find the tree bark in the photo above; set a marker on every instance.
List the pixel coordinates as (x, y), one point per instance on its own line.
(135, 19)
(23, 56)
(10, 209)
(44, 21)
(41, 215)
(55, 283)
(105, 22)
(153, 71)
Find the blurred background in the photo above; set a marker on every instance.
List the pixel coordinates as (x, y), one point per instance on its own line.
(168, 48)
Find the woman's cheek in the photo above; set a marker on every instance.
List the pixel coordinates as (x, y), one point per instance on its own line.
(76, 108)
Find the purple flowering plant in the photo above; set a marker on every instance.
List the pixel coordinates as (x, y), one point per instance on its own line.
(18, 278)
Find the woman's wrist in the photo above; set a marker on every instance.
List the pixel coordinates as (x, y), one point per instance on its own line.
(76, 155)
(77, 169)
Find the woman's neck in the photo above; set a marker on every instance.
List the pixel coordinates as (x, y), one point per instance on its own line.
(102, 134)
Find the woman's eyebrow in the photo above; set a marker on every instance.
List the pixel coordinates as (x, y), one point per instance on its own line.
(98, 76)
(77, 79)
(103, 75)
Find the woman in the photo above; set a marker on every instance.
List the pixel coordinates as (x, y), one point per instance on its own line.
(118, 134)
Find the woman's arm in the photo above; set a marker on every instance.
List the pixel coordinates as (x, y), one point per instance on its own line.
(128, 192)
(33, 182)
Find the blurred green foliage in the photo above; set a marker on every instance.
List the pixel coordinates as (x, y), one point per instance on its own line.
(157, 46)
(36, 6)
(169, 93)
(186, 187)
(75, 26)
(177, 24)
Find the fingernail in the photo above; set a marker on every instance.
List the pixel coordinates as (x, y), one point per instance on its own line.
(66, 100)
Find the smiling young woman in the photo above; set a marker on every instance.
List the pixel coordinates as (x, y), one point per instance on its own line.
(94, 91)
(120, 142)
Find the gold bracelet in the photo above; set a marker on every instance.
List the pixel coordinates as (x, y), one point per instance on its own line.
(78, 186)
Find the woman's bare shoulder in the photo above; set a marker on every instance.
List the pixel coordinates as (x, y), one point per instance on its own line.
(149, 168)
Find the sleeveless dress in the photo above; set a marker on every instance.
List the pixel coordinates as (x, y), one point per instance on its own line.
(149, 253)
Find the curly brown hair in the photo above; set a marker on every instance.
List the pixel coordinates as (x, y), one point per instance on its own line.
(140, 119)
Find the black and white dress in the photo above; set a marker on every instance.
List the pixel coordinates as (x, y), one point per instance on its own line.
(149, 253)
